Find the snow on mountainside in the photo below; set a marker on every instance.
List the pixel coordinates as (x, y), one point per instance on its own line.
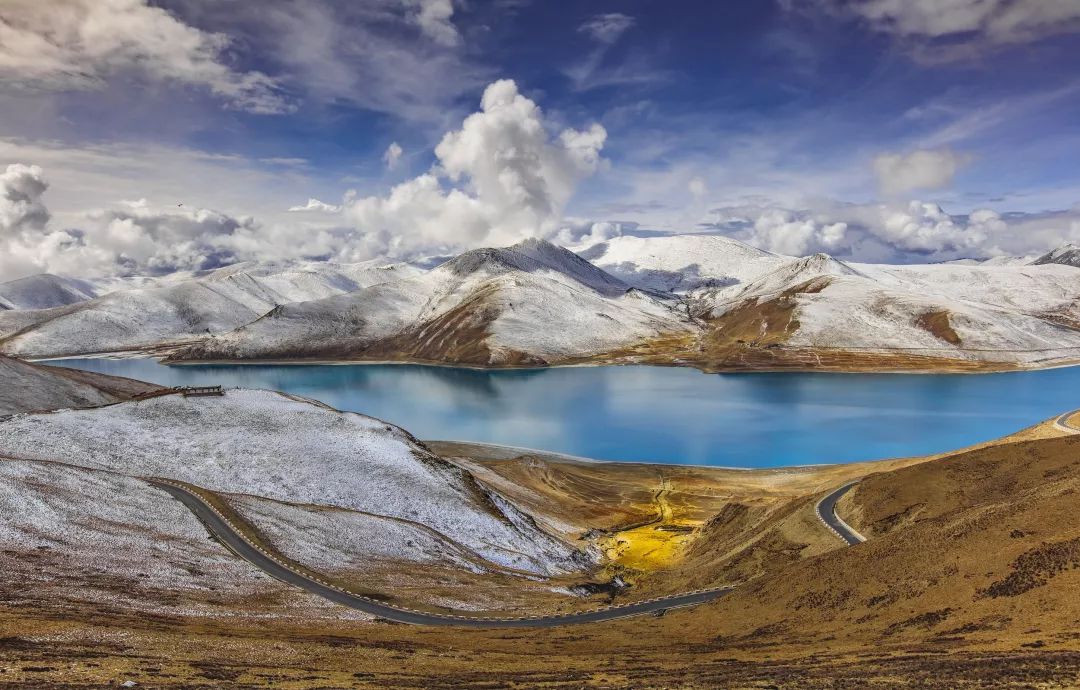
(43, 291)
(698, 300)
(25, 387)
(1066, 255)
(138, 545)
(679, 263)
(178, 308)
(795, 272)
(532, 303)
(1005, 314)
(278, 447)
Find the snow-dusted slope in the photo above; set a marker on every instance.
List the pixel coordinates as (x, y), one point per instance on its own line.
(1007, 314)
(113, 538)
(25, 387)
(271, 445)
(1066, 255)
(530, 303)
(179, 308)
(1025, 289)
(620, 300)
(678, 263)
(43, 291)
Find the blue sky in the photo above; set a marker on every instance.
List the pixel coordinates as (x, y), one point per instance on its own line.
(911, 124)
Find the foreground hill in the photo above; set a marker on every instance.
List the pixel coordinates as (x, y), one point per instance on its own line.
(273, 446)
(694, 300)
(26, 387)
(968, 578)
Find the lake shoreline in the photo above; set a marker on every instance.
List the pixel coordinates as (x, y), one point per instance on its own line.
(655, 414)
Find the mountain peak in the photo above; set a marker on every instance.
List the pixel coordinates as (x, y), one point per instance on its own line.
(532, 255)
(1067, 254)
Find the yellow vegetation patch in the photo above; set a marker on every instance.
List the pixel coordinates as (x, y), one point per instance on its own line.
(655, 545)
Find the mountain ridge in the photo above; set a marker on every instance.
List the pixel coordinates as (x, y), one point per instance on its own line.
(724, 305)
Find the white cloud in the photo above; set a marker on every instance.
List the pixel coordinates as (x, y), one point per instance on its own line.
(79, 44)
(607, 28)
(433, 17)
(315, 205)
(908, 232)
(954, 28)
(507, 179)
(899, 173)
(392, 155)
(366, 54)
(500, 178)
(787, 232)
(21, 207)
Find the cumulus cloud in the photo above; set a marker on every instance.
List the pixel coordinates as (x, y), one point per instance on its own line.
(26, 244)
(900, 173)
(607, 28)
(910, 232)
(134, 239)
(392, 155)
(584, 233)
(78, 44)
(500, 178)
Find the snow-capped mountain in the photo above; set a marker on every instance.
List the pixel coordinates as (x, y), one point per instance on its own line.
(678, 263)
(1066, 254)
(696, 300)
(533, 303)
(43, 291)
(178, 308)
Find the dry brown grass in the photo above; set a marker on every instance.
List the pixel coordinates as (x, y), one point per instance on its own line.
(970, 579)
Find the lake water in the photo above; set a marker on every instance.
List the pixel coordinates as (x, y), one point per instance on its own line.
(663, 414)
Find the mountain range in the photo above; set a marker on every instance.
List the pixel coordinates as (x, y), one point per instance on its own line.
(705, 301)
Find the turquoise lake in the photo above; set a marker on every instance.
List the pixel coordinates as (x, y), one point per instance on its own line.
(663, 414)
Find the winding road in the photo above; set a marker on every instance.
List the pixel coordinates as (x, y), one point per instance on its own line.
(826, 507)
(826, 512)
(227, 533)
(1062, 422)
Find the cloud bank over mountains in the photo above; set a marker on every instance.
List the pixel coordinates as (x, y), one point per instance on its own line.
(505, 175)
(502, 177)
(895, 232)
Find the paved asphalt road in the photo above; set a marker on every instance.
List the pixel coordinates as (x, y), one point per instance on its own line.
(826, 511)
(1062, 422)
(225, 532)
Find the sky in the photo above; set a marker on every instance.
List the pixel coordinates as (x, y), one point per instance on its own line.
(150, 137)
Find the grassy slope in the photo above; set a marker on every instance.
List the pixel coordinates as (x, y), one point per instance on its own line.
(970, 579)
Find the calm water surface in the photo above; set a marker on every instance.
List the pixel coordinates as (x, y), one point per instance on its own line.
(663, 414)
